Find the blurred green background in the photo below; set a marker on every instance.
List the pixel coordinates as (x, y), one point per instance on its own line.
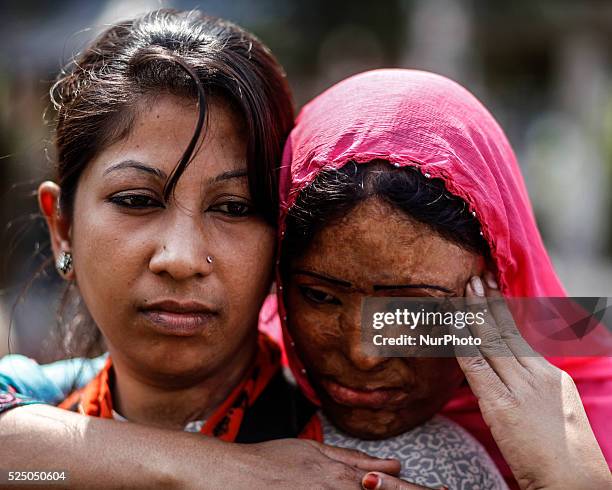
(543, 67)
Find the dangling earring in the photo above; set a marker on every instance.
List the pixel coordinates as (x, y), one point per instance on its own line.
(63, 264)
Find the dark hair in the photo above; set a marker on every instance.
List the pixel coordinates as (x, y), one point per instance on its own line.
(182, 53)
(334, 193)
(187, 54)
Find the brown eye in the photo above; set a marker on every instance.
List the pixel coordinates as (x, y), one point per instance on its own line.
(234, 208)
(135, 201)
(318, 297)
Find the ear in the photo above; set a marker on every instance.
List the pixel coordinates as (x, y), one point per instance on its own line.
(58, 224)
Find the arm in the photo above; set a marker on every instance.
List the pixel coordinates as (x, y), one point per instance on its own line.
(40, 437)
(533, 409)
(78, 445)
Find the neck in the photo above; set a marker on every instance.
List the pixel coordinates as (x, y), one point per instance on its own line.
(149, 400)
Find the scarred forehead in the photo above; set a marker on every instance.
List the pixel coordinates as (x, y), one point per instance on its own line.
(376, 244)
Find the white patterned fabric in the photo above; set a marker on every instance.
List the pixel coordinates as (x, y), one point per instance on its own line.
(435, 454)
(193, 426)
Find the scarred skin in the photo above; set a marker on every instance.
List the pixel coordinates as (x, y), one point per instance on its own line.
(533, 409)
(374, 245)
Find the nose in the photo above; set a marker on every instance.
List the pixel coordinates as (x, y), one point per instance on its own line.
(359, 353)
(181, 249)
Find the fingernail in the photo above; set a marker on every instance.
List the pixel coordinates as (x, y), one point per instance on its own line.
(491, 282)
(371, 481)
(477, 286)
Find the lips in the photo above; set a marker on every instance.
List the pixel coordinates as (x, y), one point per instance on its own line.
(378, 398)
(179, 318)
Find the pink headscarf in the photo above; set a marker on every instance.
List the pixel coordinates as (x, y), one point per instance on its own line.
(425, 120)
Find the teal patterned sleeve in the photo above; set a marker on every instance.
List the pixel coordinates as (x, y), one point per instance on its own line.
(23, 381)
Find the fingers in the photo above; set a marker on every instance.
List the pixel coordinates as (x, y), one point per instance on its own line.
(483, 380)
(493, 346)
(479, 374)
(507, 326)
(488, 331)
(378, 481)
(361, 460)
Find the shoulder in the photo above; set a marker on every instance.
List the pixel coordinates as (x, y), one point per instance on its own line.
(436, 453)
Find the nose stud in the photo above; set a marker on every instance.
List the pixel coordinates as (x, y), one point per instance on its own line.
(209, 259)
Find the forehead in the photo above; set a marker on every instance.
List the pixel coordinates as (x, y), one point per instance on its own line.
(162, 129)
(376, 243)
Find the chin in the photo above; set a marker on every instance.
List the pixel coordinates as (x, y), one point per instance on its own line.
(375, 424)
(169, 366)
(175, 370)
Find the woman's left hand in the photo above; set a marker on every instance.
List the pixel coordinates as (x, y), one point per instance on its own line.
(533, 408)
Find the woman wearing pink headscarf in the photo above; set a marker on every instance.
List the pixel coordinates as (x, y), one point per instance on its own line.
(338, 196)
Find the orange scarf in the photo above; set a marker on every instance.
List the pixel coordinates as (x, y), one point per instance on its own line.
(313, 429)
(95, 399)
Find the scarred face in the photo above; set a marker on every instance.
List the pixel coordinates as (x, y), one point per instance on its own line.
(376, 250)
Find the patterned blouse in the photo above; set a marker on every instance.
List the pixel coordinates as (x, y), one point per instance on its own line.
(435, 454)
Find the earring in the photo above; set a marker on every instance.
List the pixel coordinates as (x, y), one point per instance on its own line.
(63, 264)
(209, 259)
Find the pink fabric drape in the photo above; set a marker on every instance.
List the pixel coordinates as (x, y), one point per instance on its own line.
(425, 120)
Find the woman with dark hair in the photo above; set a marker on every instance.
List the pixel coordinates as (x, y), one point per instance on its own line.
(400, 183)
(169, 263)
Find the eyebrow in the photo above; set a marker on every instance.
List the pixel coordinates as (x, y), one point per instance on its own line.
(137, 166)
(230, 174)
(332, 280)
(379, 287)
(376, 287)
(133, 164)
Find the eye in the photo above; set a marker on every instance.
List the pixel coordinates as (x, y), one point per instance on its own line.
(136, 201)
(318, 297)
(233, 208)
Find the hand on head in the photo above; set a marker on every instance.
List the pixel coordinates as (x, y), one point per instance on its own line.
(533, 408)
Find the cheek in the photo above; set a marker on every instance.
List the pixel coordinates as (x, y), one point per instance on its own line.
(437, 378)
(244, 256)
(317, 334)
(108, 259)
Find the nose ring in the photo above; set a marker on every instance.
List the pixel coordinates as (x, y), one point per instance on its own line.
(209, 259)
